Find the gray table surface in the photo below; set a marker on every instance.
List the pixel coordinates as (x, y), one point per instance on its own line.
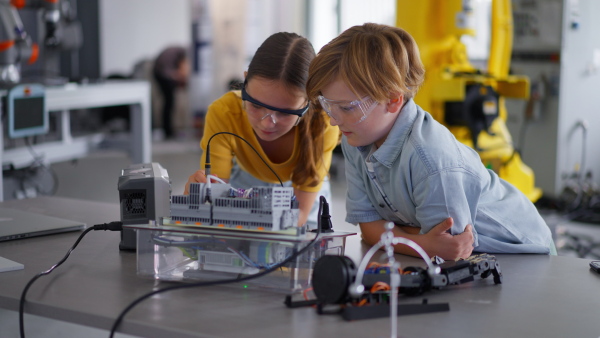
(541, 296)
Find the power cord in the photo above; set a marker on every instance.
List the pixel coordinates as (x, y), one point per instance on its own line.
(322, 203)
(207, 161)
(112, 226)
(38, 159)
(578, 186)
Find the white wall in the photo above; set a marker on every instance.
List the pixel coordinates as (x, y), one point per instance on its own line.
(324, 24)
(579, 84)
(229, 24)
(132, 30)
(237, 28)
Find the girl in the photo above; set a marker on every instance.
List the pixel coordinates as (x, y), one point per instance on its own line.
(273, 114)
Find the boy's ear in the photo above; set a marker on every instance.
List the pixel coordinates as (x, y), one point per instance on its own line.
(395, 104)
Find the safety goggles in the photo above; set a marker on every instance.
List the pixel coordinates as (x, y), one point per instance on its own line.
(296, 112)
(351, 112)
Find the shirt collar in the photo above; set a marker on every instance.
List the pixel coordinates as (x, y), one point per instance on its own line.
(392, 146)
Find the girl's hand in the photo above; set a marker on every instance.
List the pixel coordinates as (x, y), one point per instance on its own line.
(197, 177)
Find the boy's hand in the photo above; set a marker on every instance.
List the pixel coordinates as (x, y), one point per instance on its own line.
(448, 246)
(197, 177)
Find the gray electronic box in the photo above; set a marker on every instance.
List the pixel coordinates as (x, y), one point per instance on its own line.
(144, 195)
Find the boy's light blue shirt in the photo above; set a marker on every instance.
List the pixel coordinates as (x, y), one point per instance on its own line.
(421, 175)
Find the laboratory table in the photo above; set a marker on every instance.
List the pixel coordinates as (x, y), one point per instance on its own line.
(541, 296)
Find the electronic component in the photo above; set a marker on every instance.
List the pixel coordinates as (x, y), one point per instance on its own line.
(220, 205)
(188, 253)
(477, 111)
(26, 110)
(260, 208)
(144, 195)
(334, 277)
(595, 265)
(232, 256)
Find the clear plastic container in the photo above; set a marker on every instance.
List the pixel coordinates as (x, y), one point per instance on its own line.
(195, 253)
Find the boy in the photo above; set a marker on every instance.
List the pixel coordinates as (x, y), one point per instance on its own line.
(403, 166)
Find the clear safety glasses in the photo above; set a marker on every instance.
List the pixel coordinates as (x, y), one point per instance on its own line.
(350, 112)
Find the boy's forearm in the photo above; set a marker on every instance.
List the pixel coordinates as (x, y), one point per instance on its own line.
(371, 233)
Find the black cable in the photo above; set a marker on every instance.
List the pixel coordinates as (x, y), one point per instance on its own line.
(521, 145)
(576, 203)
(583, 245)
(580, 192)
(119, 319)
(113, 226)
(37, 159)
(207, 161)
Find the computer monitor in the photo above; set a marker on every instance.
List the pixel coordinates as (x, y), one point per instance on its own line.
(26, 108)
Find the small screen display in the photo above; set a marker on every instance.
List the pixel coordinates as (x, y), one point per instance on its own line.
(28, 113)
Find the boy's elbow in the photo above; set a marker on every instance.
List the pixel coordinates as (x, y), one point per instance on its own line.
(368, 239)
(369, 234)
